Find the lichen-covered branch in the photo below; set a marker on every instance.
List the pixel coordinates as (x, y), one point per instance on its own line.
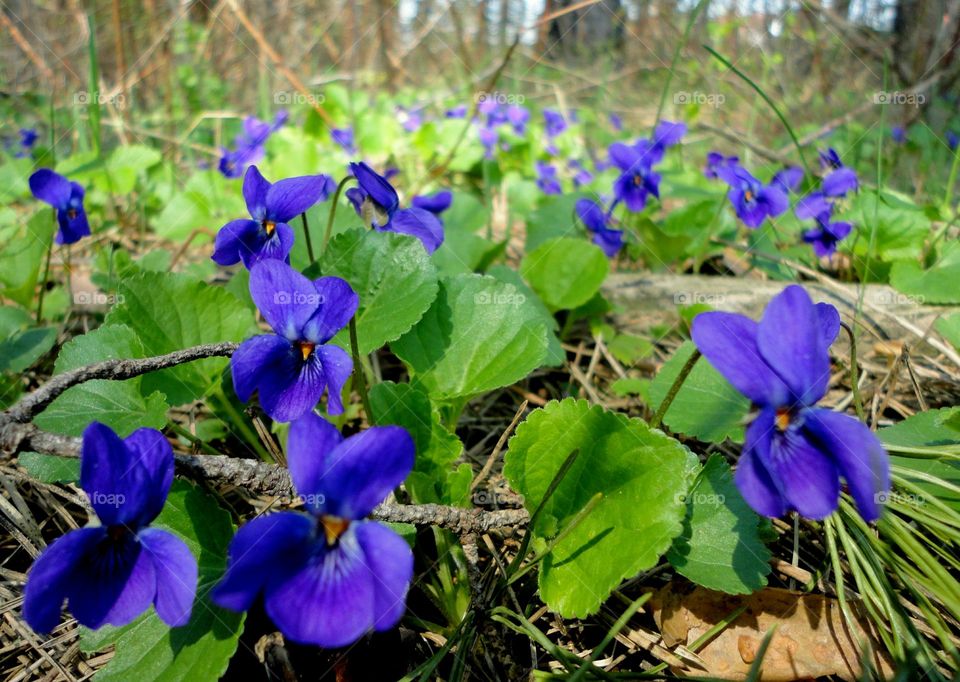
(116, 370)
(269, 479)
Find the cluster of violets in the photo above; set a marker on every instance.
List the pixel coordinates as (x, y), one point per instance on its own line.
(248, 146)
(754, 202)
(326, 576)
(636, 182)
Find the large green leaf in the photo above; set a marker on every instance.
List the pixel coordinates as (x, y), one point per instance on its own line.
(208, 200)
(25, 243)
(565, 272)
(121, 405)
(721, 547)
(479, 334)
(393, 276)
(149, 651)
(707, 407)
(50, 468)
(936, 286)
(433, 478)
(170, 312)
(642, 476)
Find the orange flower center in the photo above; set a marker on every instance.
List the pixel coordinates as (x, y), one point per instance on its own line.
(748, 195)
(306, 348)
(269, 226)
(333, 527)
(783, 419)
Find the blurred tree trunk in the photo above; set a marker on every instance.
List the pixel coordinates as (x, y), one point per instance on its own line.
(925, 39)
(586, 33)
(504, 22)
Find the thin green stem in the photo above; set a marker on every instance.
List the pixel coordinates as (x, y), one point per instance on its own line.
(333, 211)
(676, 57)
(674, 389)
(306, 237)
(46, 275)
(359, 379)
(854, 372)
(180, 431)
(770, 103)
(948, 195)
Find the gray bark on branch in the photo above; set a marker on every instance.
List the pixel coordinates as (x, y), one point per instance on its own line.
(269, 479)
(116, 370)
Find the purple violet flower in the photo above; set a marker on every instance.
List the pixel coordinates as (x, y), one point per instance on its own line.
(788, 179)
(328, 576)
(266, 234)
(65, 196)
(113, 572)
(825, 236)
(547, 179)
(555, 123)
(459, 111)
(436, 203)
(794, 453)
(292, 367)
(753, 201)
(343, 137)
(249, 144)
(715, 160)
(637, 178)
(597, 221)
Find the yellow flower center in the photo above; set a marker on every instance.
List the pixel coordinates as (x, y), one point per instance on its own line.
(306, 348)
(269, 226)
(333, 527)
(783, 419)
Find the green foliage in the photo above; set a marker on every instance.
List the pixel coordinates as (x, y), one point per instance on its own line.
(707, 407)
(479, 334)
(721, 547)
(50, 468)
(565, 272)
(642, 477)
(434, 478)
(392, 275)
(168, 312)
(122, 405)
(149, 651)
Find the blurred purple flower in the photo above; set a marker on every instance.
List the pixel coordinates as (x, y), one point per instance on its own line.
(547, 178)
(343, 137)
(597, 221)
(716, 160)
(67, 198)
(752, 201)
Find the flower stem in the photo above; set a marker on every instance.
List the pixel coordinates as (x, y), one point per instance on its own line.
(359, 379)
(43, 282)
(674, 389)
(306, 236)
(333, 211)
(854, 372)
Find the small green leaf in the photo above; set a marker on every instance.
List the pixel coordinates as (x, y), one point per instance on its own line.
(149, 651)
(479, 334)
(642, 476)
(393, 276)
(566, 272)
(50, 468)
(721, 547)
(707, 406)
(433, 478)
(23, 348)
(949, 327)
(169, 312)
(121, 405)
